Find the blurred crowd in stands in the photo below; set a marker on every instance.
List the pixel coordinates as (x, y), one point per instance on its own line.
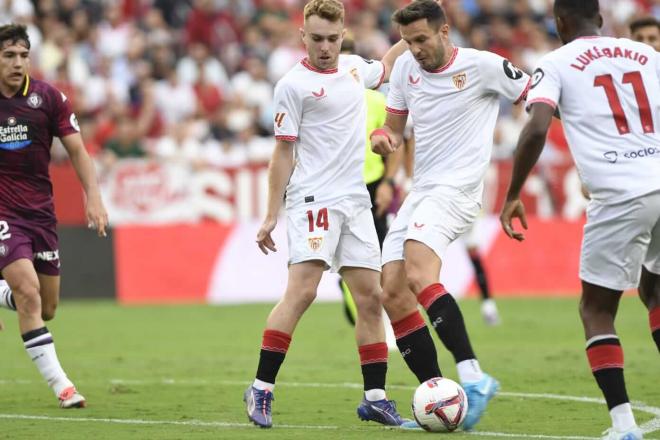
(192, 80)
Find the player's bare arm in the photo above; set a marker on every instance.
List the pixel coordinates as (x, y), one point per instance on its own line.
(279, 171)
(390, 57)
(385, 191)
(97, 217)
(389, 138)
(530, 145)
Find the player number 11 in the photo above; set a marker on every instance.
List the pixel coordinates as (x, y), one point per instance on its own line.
(635, 80)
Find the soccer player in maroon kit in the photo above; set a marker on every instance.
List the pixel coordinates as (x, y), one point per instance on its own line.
(31, 114)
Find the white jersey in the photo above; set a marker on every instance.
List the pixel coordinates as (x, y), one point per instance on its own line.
(454, 110)
(608, 94)
(324, 113)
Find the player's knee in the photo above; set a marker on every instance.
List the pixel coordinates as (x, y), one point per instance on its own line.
(304, 298)
(369, 301)
(392, 297)
(26, 296)
(416, 280)
(591, 311)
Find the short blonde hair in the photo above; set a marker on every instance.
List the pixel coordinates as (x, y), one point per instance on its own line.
(331, 10)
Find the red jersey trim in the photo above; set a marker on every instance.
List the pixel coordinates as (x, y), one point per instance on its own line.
(382, 78)
(523, 95)
(286, 138)
(550, 102)
(396, 111)
(305, 62)
(449, 63)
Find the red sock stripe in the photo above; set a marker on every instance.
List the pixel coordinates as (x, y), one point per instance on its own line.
(373, 353)
(275, 341)
(430, 294)
(605, 356)
(654, 319)
(409, 324)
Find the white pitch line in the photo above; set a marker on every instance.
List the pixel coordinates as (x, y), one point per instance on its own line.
(196, 423)
(540, 436)
(648, 427)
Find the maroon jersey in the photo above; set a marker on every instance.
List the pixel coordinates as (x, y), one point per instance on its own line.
(28, 122)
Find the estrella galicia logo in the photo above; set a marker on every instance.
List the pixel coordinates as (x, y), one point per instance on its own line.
(611, 156)
(511, 71)
(538, 76)
(14, 135)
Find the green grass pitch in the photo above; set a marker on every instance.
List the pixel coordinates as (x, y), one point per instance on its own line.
(179, 372)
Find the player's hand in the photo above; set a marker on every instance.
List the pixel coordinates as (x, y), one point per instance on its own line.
(384, 196)
(381, 144)
(97, 217)
(264, 240)
(512, 209)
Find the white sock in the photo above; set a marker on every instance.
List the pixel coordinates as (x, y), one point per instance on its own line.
(375, 394)
(622, 417)
(6, 297)
(469, 371)
(261, 385)
(41, 350)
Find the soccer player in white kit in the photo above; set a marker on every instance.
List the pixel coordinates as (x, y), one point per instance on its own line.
(452, 95)
(607, 92)
(320, 121)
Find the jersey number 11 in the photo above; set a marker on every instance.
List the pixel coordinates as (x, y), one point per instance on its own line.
(634, 79)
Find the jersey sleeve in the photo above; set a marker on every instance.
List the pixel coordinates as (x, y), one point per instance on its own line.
(288, 112)
(546, 84)
(502, 77)
(373, 72)
(396, 99)
(64, 120)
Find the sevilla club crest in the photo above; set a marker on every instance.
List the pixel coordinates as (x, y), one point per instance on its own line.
(460, 79)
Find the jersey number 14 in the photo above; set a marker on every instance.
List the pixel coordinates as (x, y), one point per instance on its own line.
(321, 219)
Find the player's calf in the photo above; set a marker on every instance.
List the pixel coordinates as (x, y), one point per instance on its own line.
(48, 311)
(40, 347)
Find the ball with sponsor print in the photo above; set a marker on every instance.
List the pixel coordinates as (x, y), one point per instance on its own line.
(439, 405)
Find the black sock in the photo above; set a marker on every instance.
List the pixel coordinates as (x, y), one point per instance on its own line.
(273, 350)
(654, 322)
(480, 275)
(447, 320)
(606, 360)
(416, 346)
(373, 361)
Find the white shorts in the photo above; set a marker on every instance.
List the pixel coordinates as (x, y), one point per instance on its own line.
(618, 239)
(434, 217)
(341, 235)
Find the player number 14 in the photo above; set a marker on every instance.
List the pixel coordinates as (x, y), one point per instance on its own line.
(321, 219)
(635, 80)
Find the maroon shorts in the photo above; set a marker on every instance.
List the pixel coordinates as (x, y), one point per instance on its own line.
(35, 242)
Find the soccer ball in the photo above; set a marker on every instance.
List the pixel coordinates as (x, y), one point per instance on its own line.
(439, 405)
